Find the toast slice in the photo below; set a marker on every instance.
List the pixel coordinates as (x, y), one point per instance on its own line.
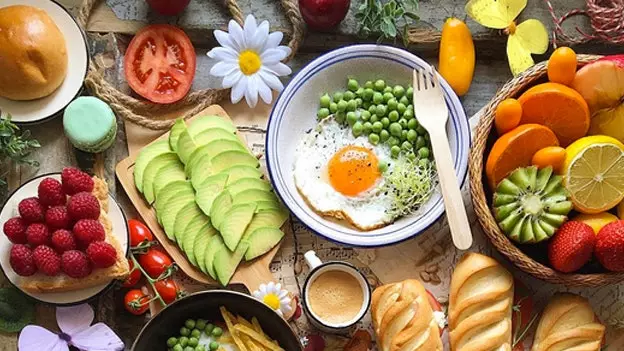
(40, 283)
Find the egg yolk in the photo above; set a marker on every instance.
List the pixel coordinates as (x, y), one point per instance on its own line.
(352, 170)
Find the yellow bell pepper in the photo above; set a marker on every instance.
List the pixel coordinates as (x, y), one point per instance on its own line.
(457, 55)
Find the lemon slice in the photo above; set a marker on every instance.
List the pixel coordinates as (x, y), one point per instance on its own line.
(594, 173)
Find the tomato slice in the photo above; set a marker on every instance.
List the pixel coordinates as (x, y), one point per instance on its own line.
(435, 305)
(160, 63)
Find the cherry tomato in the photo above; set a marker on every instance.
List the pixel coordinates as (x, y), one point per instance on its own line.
(139, 232)
(154, 262)
(159, 64)
(168, 289)
(133, 277)
(168, 7)
(435, 305)
(136, 302)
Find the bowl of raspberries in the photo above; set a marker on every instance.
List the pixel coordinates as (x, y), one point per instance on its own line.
(65, 238)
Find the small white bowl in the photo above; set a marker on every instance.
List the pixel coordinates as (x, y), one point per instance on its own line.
(39, 110)
(294, 113)
(9, 209)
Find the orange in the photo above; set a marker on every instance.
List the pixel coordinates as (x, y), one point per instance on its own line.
(516, 149)
(558, 107)
(552, 156)
(507, 115)
(562, 66)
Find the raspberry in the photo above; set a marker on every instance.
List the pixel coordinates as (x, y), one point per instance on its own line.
(75, 181)
(31, 210)
(37, 234)
(47, 260)
(63, 240)
(83, 206)
(15, 230)
(75, 264)
(57, 218)
(51, 192)
(88, 231)
(102, 254)
(21, 259)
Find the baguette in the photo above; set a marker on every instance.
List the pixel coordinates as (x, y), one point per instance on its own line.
(40, 283)
(403, 318)
(480, 305)
(568, 323)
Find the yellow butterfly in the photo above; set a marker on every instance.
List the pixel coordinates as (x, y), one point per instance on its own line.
(526, 38)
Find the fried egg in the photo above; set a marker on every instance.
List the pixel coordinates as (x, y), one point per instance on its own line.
(338, 175)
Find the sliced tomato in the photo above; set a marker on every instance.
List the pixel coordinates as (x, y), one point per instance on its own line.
(160, 63)
(435, 305)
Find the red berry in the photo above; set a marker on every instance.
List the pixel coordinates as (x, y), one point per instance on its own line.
(51, 193)
(57, 218)
(31, 210)
(37, 234)
(15, 230)
(88, 231)
(571, 247)
(83, 206)
(75, 181)
(102, 254)
(63, 240)
(47, 260)
(610, 246)
(21, 259)
(75, 264)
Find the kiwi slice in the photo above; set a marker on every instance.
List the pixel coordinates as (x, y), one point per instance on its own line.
(530, 204)
(16, 310)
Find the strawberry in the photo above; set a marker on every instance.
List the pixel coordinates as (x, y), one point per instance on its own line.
(21, 260)
(83, 206)
(51, 193)
(57, 218)
(75, 264)
(610, 246)
(31, 210)
(37, 234)
(15, 230)
(571, 247)
(47, 260)
(75, 181)
(102, 254)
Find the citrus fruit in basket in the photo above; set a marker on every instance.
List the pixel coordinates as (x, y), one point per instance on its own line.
(596, 220)
(515, 149)
(552, 156)
(562, 66)
(594, 173)
(558, 107)
(507, 116)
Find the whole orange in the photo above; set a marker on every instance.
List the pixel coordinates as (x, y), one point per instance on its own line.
(562, 66)
(552, 156)
(507, 115)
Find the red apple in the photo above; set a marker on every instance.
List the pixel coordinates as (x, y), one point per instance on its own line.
(323, 15)
(168, 7)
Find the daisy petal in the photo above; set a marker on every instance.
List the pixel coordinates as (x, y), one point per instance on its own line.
(231, 78)
(286, 49)
(236, 35)
(272, 56)
(249, 27)
(273, 40)
(271, 80)
(223, 38)
(238, 91)
(223, 69)
(260, 37)
(265, 92)
(223, 54)
(279, 69)
(251, 93)
(271, 286)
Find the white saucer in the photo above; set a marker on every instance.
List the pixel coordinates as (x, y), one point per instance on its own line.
(78, 62)
(29, 189)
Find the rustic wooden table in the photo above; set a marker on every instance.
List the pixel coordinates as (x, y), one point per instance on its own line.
(124, 17)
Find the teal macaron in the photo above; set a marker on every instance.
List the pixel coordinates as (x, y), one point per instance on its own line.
(90, 124)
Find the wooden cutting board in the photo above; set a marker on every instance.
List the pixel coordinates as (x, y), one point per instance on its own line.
(251, 274)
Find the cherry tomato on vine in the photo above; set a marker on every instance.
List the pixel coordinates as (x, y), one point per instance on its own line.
(133, 277)
(168, 289)
(154, 262)
(139, 232)
(136, 302)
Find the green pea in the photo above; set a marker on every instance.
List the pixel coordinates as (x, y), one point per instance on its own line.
(423, 162)
(214, 346)
(217, 331)
(423, 152)
(359, 101)
(421, 130)
(410, 107)
(392, 104)
(381, 110)
(398, 91)
(380, 85)
(340, 117)
(427, 136)
(189, 348)
(348, 96)
(196, 333)
(351, 118)
(411, 155)
(201, 324)
(385, 122)
(366, 105)
(373, 118)
(357, 129)
(191, 323)
(325, 100)
(384, 135)
(407, 146)
(372, 109)
(387, 97)
(368, 85)
(183, 341)
(351, 105)
(184, 331)
(382, 166)
(171, 342)
(394, 116)
(322, 113)
(412, 135)
(367, 127)
(353, 84)
(401, 108)
(193, 342)
(200, 348)
(392, 141)
(403, 135)
(337, 96)
(420, 142)
(368, 94)
(412, 123)
(178, 347)
(395, 151)
(365, 115)
(410, 93)
(377, 98)
(209, 328)
(387, 89)
(333, 107)
(404, 100)
(395, 129)
(377, 127)
(403, 123)
(359, 92)
(342, 105)
(373, 138)
(408, 114)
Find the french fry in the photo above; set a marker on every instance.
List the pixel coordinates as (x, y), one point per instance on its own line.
(228, 318)
(244, 322)
(226, 338)
(256, 325)
(249, 343)
(263, 340)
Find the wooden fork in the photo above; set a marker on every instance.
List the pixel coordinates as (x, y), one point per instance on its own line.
(431, 112)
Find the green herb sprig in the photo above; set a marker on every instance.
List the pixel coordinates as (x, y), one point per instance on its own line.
(388, 19)
(15, 147)
(411, 185)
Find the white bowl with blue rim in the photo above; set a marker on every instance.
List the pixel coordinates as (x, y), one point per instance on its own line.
(294, 113)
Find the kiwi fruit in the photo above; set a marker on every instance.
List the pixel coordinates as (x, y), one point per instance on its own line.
(530, 204)
(16, 310)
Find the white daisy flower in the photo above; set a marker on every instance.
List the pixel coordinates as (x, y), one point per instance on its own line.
(275, 297)
(250, 60)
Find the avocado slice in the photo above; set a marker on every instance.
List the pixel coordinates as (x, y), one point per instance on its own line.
(209, 190)
(171, 209)
(266, 218)
(189, 229)
(253, 195)
(201, 170)
(186, 146)
(268, 205)
(170, 190)
(187, 244)
(202, 239)
(211, 149)
(235, 222)
(225, 262)
(231, 158)
(185, 214)
(163, 161)
(178, 127)
(261, 241)
(210, 135)
(220, 206)
(166, 176)
(215, 245)
(246, 184)
(241, 171)
(145, 156)
(202, 123)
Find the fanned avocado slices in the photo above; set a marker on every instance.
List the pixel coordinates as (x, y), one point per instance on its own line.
(178, 127)
(203, 123)
(226, 262)
(209, 190)
(145, 156)
(202, 240)
(169, 191)
(215, 245)
(211, 149)
(16, 310)
(220, 206)
(172, 208)
(261, 241)
(186, 146)
(247, 183)
(234, 223)
(163, 162)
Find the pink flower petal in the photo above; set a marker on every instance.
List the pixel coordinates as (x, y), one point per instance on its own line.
(34, 337)
(74, 319)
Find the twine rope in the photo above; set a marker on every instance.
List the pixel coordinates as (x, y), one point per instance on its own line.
(144, 113)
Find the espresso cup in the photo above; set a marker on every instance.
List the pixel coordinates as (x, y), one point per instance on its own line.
(336, 295)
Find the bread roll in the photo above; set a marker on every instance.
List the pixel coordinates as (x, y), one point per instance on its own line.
(568, 323)
(33, 55)
(403, 318)
(480, 305)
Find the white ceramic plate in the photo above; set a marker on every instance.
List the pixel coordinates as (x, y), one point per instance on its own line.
(294, 113)
(77, 55)
(29, 189)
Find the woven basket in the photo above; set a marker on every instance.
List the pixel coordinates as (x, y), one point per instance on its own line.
(481, 194)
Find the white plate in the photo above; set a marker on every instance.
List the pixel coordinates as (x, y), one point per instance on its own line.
(29, 189)
(77, 63)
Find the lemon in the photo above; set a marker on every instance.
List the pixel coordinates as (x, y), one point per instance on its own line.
(596, 220)
(594, 173)
(620, 210)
